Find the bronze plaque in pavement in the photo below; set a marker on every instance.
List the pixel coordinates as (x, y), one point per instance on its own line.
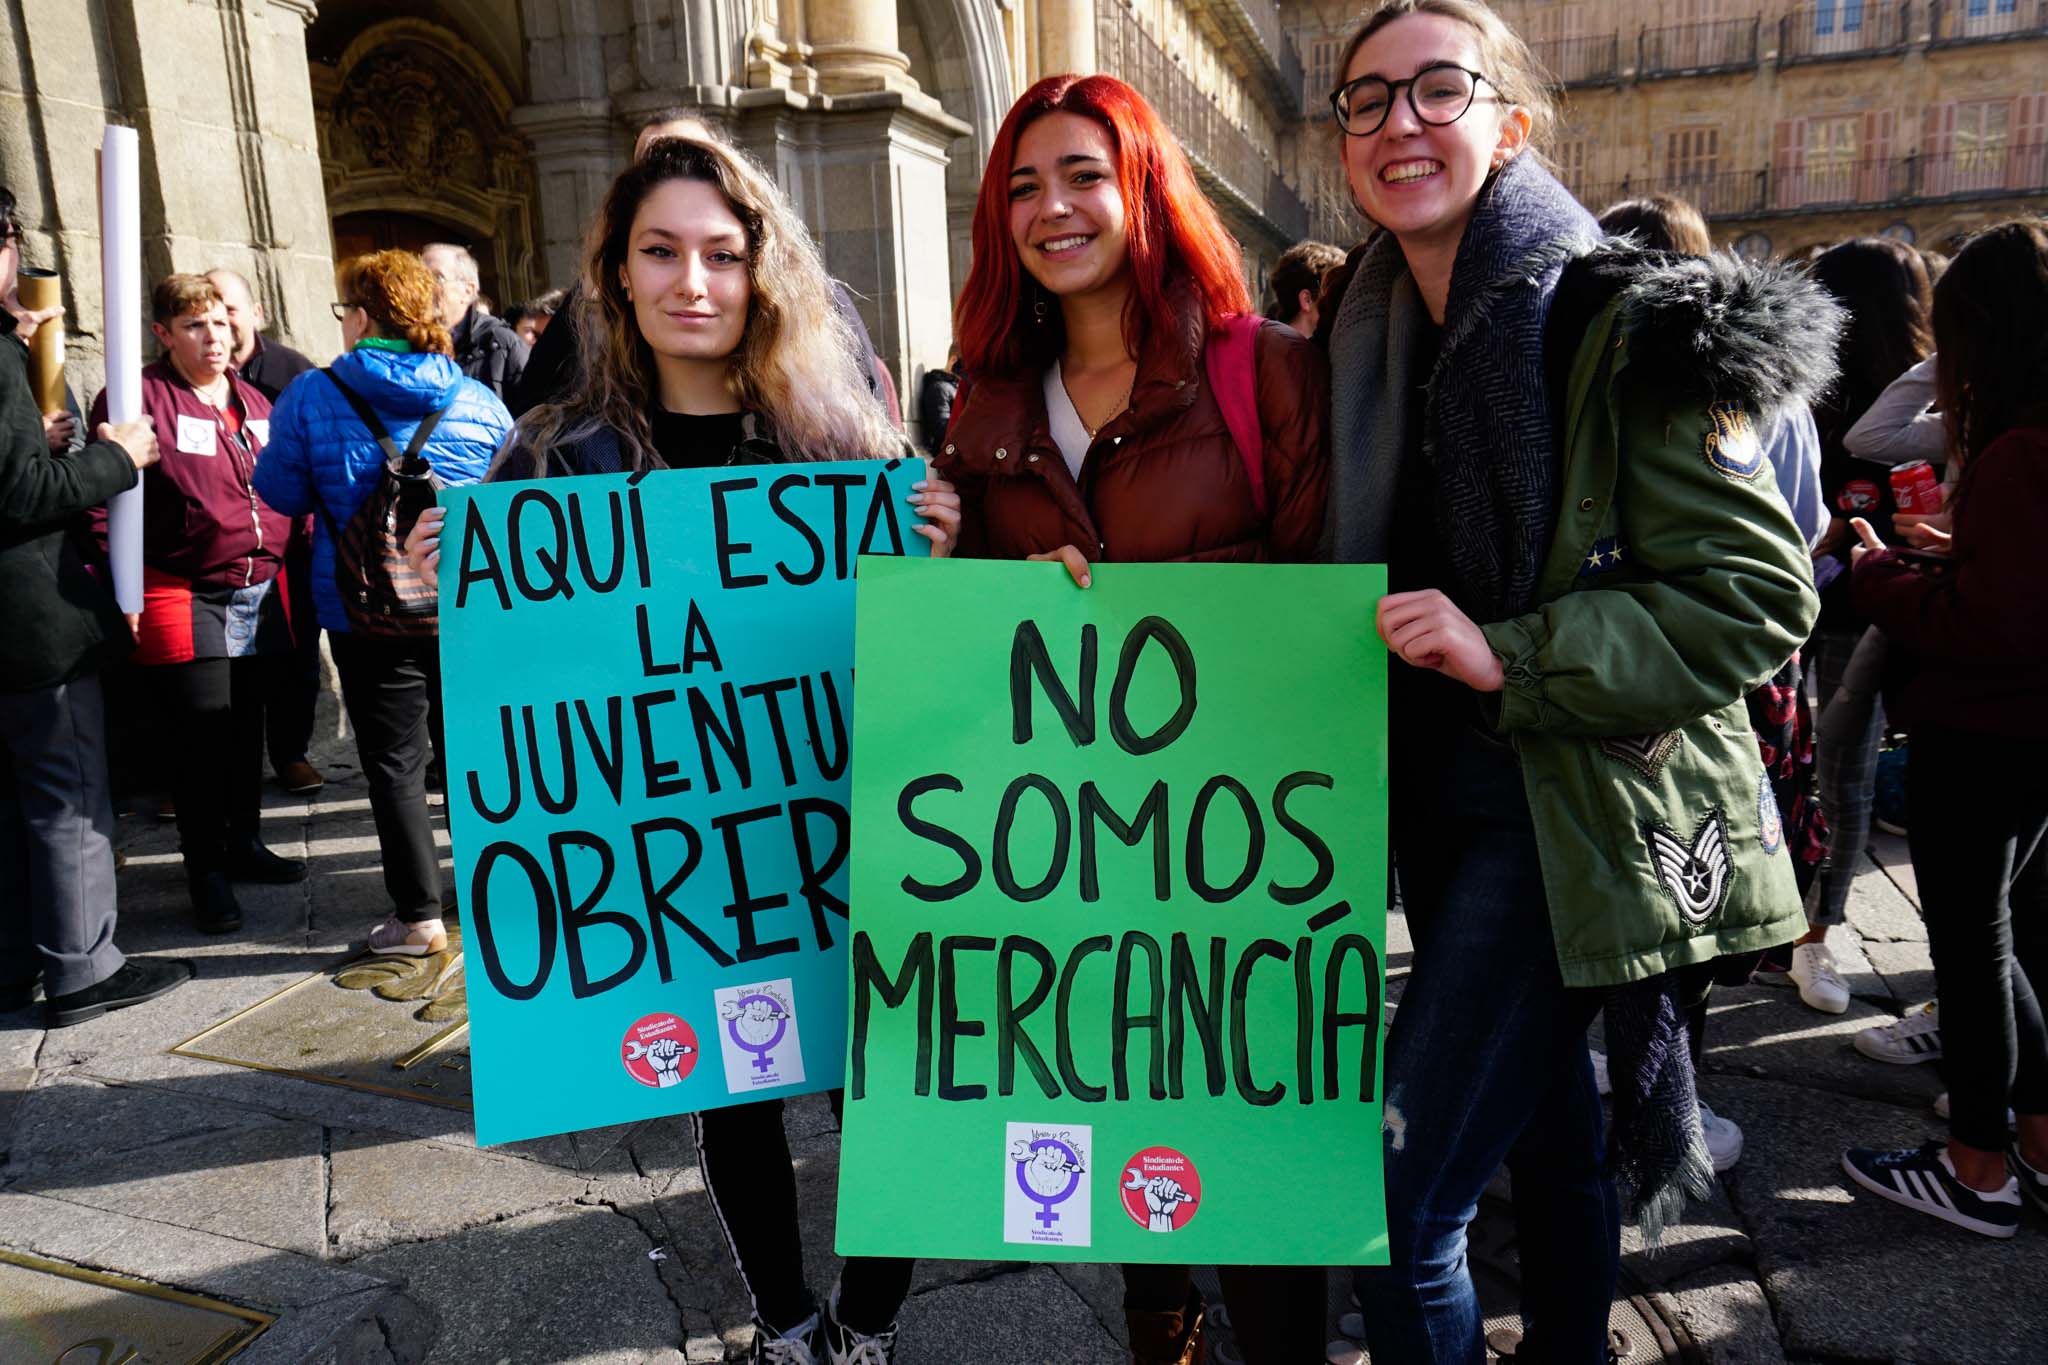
(61, 1314)
(391, 1025)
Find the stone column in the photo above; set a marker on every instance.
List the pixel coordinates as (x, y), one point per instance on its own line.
(577, 150)
(221, 101)
(853, 46)
(1066, 37)
(868, 174)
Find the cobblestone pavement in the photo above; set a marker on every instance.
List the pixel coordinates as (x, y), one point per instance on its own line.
(375, 1230)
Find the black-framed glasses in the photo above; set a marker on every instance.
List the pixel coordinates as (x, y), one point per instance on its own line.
(1438, 94)
(340, 308)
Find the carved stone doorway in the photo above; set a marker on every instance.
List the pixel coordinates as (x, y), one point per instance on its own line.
(416, 146)
(389, 230)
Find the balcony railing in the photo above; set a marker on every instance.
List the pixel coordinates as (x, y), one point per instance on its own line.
(1983, 172)
(1254, 26)
(1226, 159)
(1841, 28)
(1722, 46)
(1981, 21)
(1582, 61)
(1995, 172)
(1843, 184)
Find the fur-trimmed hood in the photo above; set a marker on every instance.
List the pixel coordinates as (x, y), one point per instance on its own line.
(1720, 326)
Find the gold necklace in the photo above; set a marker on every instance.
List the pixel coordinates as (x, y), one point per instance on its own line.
(1121, 404)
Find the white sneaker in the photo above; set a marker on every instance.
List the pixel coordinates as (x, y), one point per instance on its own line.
(1915, 1038)
(1724, 1139)
(1600, 1076)
(1820, 984)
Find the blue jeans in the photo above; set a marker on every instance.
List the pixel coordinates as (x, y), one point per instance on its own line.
(1486, 1062)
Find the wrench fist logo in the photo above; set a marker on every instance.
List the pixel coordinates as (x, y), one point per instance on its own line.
(1161, 1189)
(659, 1050)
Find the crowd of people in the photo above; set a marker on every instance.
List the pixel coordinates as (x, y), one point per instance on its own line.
(1636, 498)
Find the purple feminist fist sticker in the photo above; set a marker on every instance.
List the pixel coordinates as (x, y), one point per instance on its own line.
(1048, 1173)
(761, 1042)
(757, 1024)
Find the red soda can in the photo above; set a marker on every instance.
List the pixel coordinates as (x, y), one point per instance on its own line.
(1915, 489)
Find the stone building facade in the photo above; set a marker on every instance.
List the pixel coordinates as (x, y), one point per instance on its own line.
(1794, 126)
(1790, 125)
(280, 135)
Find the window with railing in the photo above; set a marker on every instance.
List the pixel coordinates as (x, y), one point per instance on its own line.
(1833, 27)
(1831, 160)
(1833, 17)
(1691, 154)
(1323, 55)
(1956, 21)
(1572, 158)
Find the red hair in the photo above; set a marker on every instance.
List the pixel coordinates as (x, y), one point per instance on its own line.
(1172, 229)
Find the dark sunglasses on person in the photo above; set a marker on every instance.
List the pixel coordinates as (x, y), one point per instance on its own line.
(1437, 94)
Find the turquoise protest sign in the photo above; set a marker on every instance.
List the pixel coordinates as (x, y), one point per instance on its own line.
(648, 691)
(1119, 888)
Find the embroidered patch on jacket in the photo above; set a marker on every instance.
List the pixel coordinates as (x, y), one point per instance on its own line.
(1770, 825)
(1731, 442)
(1696, 874)
(1608, 554)
(1647, 754)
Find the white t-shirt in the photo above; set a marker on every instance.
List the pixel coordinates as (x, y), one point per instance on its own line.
(1067, 431)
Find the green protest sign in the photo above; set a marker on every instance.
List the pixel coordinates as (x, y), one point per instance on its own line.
(1119, 911)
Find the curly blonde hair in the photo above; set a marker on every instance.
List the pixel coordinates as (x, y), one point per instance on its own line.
(795, 364)
(397, 290)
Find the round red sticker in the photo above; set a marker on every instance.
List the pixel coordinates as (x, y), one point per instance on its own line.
(1161, 1189)
(659, 1050)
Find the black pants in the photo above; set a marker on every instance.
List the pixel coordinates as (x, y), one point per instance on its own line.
(211, 711)
(1277, 1312)
(388, 684)
(744, 1155)
(297, 684)
(1977, 810)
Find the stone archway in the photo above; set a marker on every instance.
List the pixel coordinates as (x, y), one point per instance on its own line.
(414, 125)
(958, 58)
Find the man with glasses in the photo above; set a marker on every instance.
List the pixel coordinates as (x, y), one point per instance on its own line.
(485, 348)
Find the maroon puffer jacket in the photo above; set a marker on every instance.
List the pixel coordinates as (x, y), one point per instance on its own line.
(1163, 480)
(202, 521)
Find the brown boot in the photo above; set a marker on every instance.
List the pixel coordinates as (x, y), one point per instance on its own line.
(1173, 1338)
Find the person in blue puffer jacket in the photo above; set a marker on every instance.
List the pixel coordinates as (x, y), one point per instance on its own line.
(322, 457)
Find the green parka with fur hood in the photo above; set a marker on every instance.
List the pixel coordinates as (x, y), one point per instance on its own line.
(1675, 582)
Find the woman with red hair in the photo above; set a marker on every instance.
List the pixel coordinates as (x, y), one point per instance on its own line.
(1090, 430)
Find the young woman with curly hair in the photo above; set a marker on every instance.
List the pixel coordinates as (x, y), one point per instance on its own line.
(707, 336)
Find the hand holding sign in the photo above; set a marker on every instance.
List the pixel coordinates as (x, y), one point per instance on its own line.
(423, 546)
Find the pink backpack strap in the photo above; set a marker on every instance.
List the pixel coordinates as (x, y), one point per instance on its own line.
(1232, 365)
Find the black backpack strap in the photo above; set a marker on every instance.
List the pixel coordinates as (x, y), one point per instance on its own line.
(366, 412)
(420, 434)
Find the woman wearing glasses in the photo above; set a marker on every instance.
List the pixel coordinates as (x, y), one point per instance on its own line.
(1552, 442)
(324, 457)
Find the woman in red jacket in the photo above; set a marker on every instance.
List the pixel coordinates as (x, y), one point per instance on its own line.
(1977, 789)
(213, 624)
(1087, 432)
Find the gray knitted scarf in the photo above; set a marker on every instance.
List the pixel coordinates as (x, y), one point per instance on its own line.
(1490, 441)
(1487, 427)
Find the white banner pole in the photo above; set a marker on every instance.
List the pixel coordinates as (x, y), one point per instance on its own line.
(121, 312)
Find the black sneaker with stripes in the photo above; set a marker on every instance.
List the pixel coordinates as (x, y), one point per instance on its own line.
(1924, 1179)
